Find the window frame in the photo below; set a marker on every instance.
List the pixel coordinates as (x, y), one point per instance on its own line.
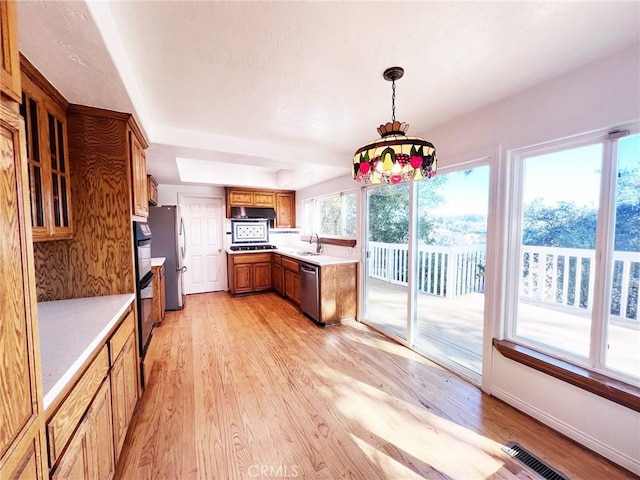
(604, 248)
(315, 226)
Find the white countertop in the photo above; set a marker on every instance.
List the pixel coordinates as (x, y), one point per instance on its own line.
(314, 259)
(157, 261)
(70, 331)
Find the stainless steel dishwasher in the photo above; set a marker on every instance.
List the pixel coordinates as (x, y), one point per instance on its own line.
(310, 290)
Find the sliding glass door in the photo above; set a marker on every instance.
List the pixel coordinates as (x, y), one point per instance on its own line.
(424, 284)
(387, 266)
(451, 258)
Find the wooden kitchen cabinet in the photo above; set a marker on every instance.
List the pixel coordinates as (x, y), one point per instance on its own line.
(75, 463)
(237, 197)
(124, 391)
(276, 273)
(87, 424)
(159, 292)
(43, 110)
(62, 424)
(338, 293)
(152, 190)
(291, 269)
(140, 201)
(100, 431)
(283, 201)
(98, 260)
(21, 451)
(25, 463)
(9, 53)
(90, 451)
(262, 276)
(249, 272)
(263, 199)
(285, 210)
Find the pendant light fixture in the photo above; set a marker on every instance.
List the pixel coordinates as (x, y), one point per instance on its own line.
(394, 158)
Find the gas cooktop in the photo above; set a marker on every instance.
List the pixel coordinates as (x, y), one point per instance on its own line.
(258, 246)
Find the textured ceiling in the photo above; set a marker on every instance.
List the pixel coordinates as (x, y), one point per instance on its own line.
(284, 88)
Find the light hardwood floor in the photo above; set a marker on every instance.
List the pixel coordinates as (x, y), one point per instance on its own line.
(247, 388)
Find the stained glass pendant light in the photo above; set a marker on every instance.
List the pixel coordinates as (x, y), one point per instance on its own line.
(394, 158)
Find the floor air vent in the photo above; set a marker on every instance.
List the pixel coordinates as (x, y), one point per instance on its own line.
(534, 463)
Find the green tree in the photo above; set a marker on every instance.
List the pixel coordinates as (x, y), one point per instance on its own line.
(389, 211)
(628, 211)
(565, 225)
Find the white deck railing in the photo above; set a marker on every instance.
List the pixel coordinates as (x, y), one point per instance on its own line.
(442, 271)
(550, 275)
(566, 276)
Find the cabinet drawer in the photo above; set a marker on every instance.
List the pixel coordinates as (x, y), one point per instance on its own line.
(290, 264)
(277, 259)
(63, 423)
(252, 258)
(120, 337)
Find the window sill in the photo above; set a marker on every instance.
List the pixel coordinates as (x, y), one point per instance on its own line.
(596, 383)
(342, 242)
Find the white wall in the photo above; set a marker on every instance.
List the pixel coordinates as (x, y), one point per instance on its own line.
(602, 95)
(168, 194)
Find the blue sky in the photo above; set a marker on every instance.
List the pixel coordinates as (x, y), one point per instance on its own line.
(572, 175)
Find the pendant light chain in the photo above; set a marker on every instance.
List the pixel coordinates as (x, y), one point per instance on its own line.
(393, 101)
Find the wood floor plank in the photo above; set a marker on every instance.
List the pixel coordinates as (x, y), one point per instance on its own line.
(247, 387)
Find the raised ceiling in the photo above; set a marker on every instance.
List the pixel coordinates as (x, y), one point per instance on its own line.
(280, 94)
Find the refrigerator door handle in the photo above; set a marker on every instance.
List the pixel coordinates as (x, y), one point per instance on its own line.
(183, 233)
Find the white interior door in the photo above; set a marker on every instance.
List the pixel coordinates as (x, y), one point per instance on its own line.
(205, 259)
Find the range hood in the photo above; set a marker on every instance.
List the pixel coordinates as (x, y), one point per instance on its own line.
(253, 212)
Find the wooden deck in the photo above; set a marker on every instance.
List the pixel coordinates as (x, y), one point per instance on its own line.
(452, 327)
(248, 388)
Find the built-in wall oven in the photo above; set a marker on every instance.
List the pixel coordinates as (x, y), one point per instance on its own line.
(144, 285)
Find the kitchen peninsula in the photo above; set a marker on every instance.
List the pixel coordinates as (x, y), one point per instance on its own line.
(328, 301)
(90, 381)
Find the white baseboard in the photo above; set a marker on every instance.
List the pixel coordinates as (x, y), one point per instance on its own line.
(622, 459)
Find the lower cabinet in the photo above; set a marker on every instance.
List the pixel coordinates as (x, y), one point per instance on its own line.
(291, 270)
(124, 392)
(100, 431)
(87, 428)
(249, 272)
(75, 462)
(276, 273)
(89, 454)
(25, 462)
(159, 293)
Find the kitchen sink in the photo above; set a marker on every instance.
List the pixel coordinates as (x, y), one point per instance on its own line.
(307, 254)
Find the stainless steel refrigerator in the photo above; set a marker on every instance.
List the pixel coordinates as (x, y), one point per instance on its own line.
(168, 240)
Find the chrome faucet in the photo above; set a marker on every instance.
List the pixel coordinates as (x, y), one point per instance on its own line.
(318, 244)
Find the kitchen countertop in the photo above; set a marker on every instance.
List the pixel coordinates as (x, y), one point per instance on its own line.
(70, 331)
(157, 261)
(314, 259)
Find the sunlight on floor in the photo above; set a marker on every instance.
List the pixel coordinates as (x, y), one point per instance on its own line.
(427, 441)
(390, 466)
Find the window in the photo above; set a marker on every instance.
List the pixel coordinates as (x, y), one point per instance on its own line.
(333, 215)
(575, 200)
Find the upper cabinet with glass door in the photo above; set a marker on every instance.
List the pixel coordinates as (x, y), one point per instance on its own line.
(43, 110)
